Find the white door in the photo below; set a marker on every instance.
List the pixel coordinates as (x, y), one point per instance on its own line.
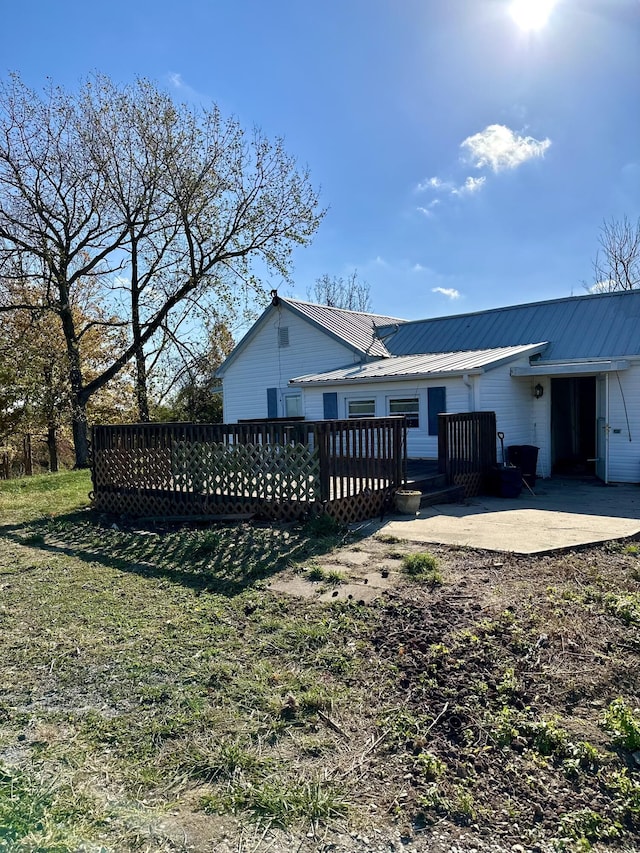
(602, 434)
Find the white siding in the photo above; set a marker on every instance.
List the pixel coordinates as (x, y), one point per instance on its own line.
(522, 418)
(527, 420)
(263, 364)
(420, 445)
(624, 436)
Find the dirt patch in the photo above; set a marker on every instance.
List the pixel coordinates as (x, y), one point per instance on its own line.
(205, 690)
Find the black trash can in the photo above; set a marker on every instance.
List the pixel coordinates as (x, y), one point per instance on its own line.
(525, 456)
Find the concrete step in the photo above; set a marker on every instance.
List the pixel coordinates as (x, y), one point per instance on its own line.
(442, 495)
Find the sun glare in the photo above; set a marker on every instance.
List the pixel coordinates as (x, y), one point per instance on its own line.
(531, 14)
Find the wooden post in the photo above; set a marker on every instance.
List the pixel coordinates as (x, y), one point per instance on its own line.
(399, 452)
(443, 450)
(321, 440)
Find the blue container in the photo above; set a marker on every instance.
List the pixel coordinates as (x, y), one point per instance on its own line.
(506, 482)
(525, 456)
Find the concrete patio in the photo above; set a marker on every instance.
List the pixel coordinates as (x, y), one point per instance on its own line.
(562, 514)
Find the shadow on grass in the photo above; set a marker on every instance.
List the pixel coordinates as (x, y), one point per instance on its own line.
(223, 559)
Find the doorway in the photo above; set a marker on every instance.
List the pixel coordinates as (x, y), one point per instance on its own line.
(573, 425)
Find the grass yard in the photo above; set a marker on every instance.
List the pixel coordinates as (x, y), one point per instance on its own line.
(28, 498)
(156, 695)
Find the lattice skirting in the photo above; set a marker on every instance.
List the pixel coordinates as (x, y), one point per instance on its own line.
(160, 503)
(357, 507)
(163, 504)
(472, 483)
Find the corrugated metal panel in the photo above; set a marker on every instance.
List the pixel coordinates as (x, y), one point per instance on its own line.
(263, 364)
(598, 326)
(422, 365)
(354, 327)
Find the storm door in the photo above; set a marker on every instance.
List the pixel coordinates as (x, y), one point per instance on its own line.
(573, 425)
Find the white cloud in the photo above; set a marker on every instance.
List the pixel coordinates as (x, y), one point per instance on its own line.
(185, 90)
(434, 183)
(449, 292)
(447, 188)
(500, 148)
(428, 210)
(471, 185)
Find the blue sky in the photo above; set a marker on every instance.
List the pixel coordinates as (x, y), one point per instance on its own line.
(465, 162)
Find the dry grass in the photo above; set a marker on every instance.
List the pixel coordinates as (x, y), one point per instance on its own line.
(154, 695)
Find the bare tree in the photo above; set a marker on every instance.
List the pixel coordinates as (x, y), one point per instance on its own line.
(337, 292)
(154, 202)
(196, 392)
(617, 262)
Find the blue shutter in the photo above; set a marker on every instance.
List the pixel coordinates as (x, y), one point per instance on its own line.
(272, 402)
(330, 403)
(437, 402)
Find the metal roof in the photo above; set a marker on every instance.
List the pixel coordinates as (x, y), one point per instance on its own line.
(422, 366)
(605, 325)
(355, 328)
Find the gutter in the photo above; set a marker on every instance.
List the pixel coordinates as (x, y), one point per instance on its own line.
(394, 377)
(565, 368)
(470, 390)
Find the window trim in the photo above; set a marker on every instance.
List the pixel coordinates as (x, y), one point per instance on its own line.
(417, 413)
(350, 400)
(286, 398)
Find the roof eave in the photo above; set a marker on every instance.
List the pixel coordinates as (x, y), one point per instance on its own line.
(243, 342)
(399, 377)
(571, 366)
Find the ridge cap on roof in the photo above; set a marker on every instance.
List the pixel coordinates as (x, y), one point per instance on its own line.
(581, 298)
(342, 310)
(475, 349)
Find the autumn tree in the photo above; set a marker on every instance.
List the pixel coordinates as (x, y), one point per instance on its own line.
(34, 375)
(153, 202)
(616, 265)
(338, 292)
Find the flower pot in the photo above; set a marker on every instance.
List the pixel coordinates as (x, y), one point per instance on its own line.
(407, 501)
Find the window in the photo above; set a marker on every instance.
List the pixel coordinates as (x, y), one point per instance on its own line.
(409, 407)
(283, 336)
(293, 406)
(361, 408)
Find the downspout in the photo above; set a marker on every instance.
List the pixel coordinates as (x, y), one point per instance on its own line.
(470, 389)
(607, 429)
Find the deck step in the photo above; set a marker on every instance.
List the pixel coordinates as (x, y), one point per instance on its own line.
(442, 495)
(428, 483)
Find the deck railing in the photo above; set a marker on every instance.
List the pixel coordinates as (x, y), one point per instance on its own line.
(274, 469)
(467, 449)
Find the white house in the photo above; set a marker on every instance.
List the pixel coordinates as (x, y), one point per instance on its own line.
(563, 375)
